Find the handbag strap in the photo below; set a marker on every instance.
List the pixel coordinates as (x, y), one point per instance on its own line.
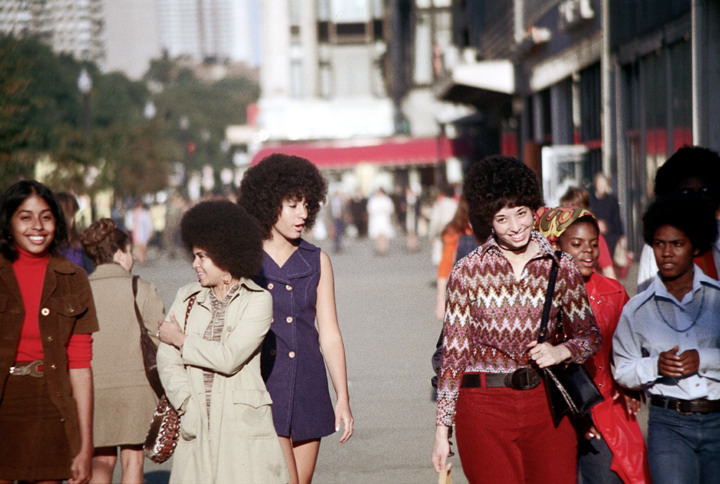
(542, 336)
(191, 301)
(137, 309)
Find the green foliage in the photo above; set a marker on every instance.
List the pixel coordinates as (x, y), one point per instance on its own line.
(42, 114)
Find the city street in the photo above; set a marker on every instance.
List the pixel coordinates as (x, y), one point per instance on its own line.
(385, 306)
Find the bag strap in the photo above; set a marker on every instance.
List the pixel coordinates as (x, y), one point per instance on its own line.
(542, 336)
(191, 301)
(137, 309)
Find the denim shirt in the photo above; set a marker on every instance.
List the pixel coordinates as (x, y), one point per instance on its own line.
(655, 321)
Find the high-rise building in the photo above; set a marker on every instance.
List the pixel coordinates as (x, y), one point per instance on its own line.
(69, 26)
(220, 30)
(131, 36)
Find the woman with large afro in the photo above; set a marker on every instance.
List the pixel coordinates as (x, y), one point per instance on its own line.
(284, 194)
(209, 356)
(489, 385)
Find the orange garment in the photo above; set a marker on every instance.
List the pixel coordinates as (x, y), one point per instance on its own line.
(450, 241)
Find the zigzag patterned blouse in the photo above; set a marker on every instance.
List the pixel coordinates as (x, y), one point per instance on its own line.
(490, 317)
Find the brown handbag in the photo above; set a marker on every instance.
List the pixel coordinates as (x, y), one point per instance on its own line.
(164, 430)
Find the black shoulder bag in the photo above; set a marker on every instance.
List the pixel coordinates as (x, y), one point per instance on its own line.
(570, 390)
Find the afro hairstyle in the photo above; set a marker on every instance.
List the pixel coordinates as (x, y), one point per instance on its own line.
(496, 182)
(276, 178)
(229, 235)
(690, 162)
(694, 218)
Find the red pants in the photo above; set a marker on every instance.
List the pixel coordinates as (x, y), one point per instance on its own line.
(507, 436)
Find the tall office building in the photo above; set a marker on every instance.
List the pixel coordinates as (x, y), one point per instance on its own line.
(131, 36)
(72, 27)
(208, 29)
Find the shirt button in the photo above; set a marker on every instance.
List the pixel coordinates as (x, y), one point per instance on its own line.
(62, 420)
(44, 311)
(50, 339)
(271, 285)
(600, 384)
(289, 319)
(291, 354)
(288, 287)
(599, 367)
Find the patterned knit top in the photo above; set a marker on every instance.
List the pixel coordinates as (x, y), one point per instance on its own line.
(491, 317)
(213, 333)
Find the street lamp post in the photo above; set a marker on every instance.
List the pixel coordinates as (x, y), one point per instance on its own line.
(84, 84)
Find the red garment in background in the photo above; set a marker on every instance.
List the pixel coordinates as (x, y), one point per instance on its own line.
(604, 258)
(620, 430)
(30, 272)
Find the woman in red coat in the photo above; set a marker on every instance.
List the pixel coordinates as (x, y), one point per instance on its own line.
(613, 449)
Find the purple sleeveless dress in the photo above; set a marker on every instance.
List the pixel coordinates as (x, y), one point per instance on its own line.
(292, 365)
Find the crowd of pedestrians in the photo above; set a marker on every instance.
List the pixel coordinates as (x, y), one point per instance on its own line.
(244, 352)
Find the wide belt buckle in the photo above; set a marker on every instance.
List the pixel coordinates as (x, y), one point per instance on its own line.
(522, 379)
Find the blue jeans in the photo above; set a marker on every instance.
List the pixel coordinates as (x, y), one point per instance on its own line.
(683, 448)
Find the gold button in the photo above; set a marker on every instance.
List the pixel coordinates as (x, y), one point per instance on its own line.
(271, 285)
(53, 366)
(50, 339)
(289, 319)
(291, 354)
(44, 311)
(62, 420)
(288, 287)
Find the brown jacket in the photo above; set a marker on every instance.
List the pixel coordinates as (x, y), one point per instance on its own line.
(66, 307)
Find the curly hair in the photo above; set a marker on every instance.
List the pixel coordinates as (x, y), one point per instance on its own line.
(694, 218)
(11, 200)
(276, 178)
(496, 182)
(228, 233)
(103, 239)
(690, 162)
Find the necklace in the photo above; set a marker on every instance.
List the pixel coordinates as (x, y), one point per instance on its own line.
(695, 319)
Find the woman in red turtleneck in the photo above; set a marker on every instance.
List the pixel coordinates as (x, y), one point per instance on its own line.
(46, 317)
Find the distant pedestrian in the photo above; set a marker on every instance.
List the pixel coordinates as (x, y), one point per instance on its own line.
(337, 211)
(667, 344)
(73, 248)
(605, 207)
(489, 385)
(284, 193)
(358, 212)
(139, 222)
(124, 401)
(380, 209)
(442, 211)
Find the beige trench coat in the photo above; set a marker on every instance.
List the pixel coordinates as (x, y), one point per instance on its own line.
(236, 443)
(124, 400)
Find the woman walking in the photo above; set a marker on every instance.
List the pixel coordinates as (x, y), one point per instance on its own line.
(613, 451)
(124, 400)
(489, 387)
(47, 316)
(284, 194)
(209, 359)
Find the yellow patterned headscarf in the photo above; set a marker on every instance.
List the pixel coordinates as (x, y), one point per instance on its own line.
(552, 222)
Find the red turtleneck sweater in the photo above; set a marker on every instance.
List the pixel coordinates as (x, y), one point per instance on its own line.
(30, 272)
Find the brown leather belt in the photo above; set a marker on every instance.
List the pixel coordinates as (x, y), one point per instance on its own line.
(521, 379)
(27, 368)
(686, 407)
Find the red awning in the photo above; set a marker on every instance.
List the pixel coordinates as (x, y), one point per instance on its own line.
(396, 151)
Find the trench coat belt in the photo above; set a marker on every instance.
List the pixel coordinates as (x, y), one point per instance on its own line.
(27, 368)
